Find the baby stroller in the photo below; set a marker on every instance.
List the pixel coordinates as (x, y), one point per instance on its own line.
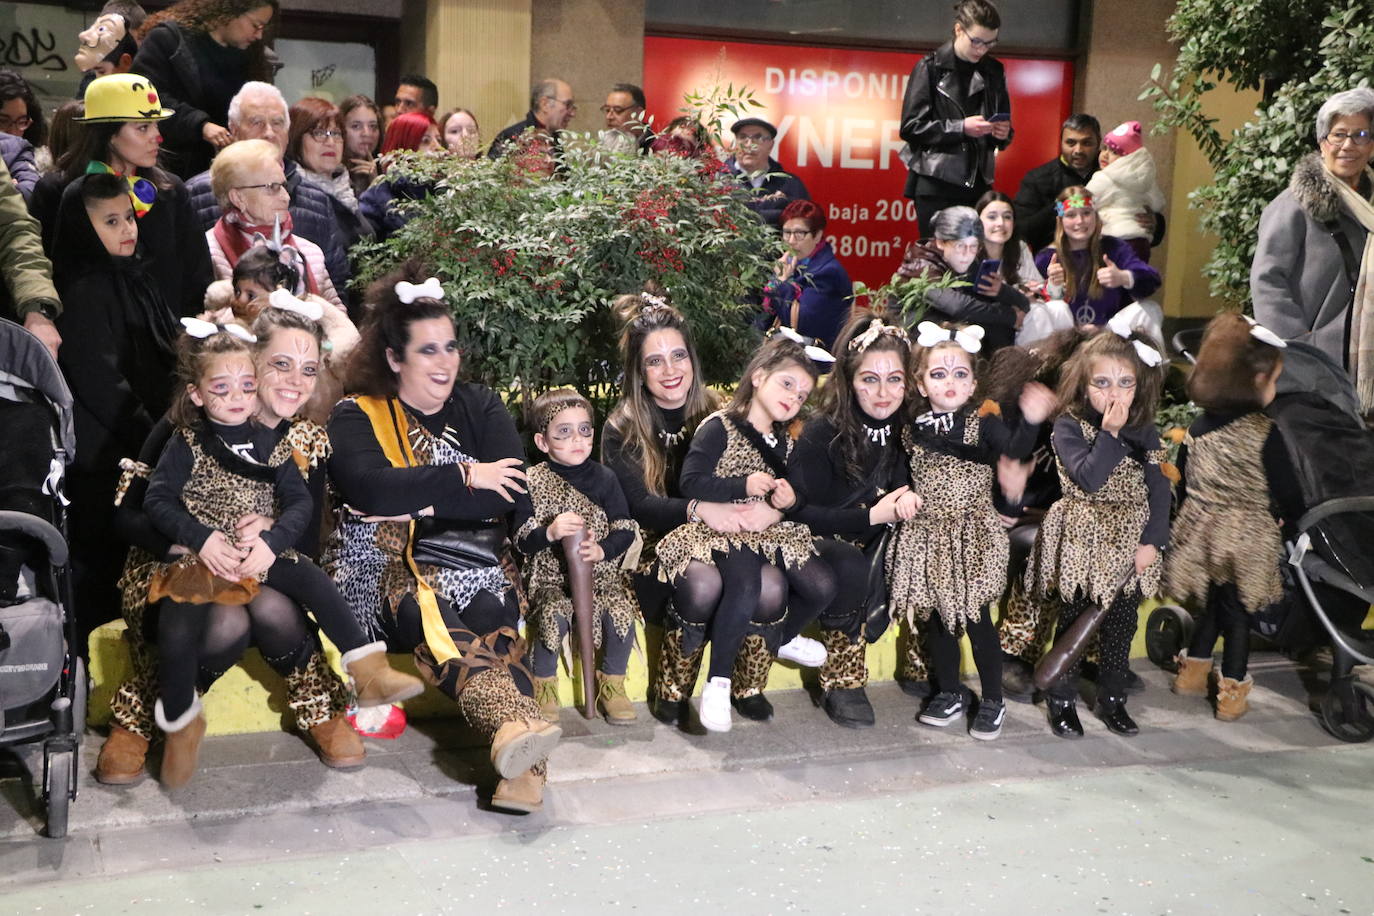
(42, 678)
(1328, 571)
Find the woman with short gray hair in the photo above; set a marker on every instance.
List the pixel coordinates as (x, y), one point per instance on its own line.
(1314, 259)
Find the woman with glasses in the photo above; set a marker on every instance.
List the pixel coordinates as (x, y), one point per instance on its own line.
(21, 117)
(956, 115)
(982, 298)
(249, 184)
(316, 143)
(1314, 260)
(809, 290)
(201, 52)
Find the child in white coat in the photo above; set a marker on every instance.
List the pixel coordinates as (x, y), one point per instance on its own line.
(1125, 187)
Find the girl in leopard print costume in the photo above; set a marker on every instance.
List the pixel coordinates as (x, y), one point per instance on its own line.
(1112, 522)
(569, 494)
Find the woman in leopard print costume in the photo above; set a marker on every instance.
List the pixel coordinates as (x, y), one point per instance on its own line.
(1112, 522)
(288, 358)
(417, 444)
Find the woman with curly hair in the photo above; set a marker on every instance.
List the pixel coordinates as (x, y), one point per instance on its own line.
(200, 53)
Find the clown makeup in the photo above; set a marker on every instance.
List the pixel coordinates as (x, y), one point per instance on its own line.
(1109, 381)
(1079, 223)
(668, 369)
(880, 383)
(135, 146)
(115, 224)
(288, 368)
(568, 437)
(779, 395)
(227, 390)
(947, 380)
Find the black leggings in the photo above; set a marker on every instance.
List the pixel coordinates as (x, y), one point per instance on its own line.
(1226, 619)
(1114, 646)
(475, 630)
(615, 650)
(811, 587)
(850, 569)
(987, 654)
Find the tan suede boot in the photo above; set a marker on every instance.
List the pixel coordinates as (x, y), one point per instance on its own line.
(1191, 679)
(121, 758)
(521, 744)
(614, 701)
(182, 747)
(375, 682)
(546, 695)
(1233, 697)
(523, 793)
(338, 744)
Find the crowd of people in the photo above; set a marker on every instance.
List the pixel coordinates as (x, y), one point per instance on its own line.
(281, 454)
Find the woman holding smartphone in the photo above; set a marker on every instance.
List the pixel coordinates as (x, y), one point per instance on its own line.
(1004, 251)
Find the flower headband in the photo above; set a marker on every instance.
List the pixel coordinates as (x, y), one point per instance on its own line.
(969, 337)
(1129, 320)
(281, 299)
(430, 289)
(876, 329)
(1263, 334)
(203, 329)
(817, 354)
(1079, 200)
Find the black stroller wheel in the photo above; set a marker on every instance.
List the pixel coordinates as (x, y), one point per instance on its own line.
(1168, 631)
(1347, 711)
(57, 789)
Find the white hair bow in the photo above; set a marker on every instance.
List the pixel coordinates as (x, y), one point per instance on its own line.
(1129, 320)
(203, 329)
(817, 354)
(1264, 335)
(281, 299)
(970, 337)
(409, 292)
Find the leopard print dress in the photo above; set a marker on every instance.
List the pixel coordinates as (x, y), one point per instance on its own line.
(1087, 540)
(546, 582)
(1224, 533)
(951, 557)
(696, 541)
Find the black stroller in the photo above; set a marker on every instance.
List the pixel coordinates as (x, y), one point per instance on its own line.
(1329, 571)
(42, 677)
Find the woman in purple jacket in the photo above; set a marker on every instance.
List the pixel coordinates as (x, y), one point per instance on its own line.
(810, 290)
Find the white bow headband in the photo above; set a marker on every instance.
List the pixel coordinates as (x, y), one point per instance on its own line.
(817, 354)
(1129, 320)
(969, 337)
(203, 329)
(281, 299)
(1264, 335)
(409, 292)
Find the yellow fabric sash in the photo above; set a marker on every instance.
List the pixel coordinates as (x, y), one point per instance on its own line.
(390, 427)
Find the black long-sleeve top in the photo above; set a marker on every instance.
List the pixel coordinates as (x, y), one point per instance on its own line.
(594, 481)
(654, 513)
(1089, 465)
(1285, 496)
(1042, 487)
(835, 502)
(473, 417)
(699, 480)
(246, 445)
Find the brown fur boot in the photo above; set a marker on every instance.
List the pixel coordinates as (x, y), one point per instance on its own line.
(614, 701)
(339, 746)
(1191, 679)
(182, 747)
(121, 758)
(546, 695)
(521, 744)
(524, 793)
(375, 682)
(1233, 697)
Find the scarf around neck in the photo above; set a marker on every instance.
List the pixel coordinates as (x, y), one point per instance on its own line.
(236, 235)
(1361, 354)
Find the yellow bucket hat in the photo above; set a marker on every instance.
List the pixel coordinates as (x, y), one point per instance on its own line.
(123, 97)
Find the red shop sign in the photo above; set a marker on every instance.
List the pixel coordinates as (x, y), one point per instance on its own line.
(837, 112)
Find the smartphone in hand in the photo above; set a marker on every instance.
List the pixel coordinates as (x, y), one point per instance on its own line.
(1000, 116)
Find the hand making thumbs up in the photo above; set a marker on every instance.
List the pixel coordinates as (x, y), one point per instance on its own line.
(1112, 276)
(1054, 271)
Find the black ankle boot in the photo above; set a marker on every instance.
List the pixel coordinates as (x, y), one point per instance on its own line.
(755, 707)
(1017, 679)
(1063, 716)
(849, 706)
(669, 712)
(1112, 711)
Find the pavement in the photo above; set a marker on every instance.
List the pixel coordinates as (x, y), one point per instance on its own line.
(762, 809)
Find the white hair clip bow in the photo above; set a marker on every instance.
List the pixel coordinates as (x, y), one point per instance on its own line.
(409, 292)
(817, 354)
(1129, 320)
(203, 329)
(1264, 335)
(970, 337)
(281, 299)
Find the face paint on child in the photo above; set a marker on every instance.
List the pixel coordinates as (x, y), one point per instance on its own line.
(227, 389)
(568, 437)
(781, 393)
(1110, 381)
(947, 381)
(115, 225)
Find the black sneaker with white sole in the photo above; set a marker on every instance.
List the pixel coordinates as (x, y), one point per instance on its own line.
(942, 710)
(987, 724)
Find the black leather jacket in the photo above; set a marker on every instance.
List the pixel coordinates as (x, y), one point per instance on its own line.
(933, 112)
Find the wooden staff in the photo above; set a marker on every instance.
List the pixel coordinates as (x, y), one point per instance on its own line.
(584, 606)
(1073, 642)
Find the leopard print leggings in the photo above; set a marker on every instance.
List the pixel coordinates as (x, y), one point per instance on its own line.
(844, 666)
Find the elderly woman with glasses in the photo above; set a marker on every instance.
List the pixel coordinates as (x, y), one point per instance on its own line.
(249, 184)
(1314, 260)
(316, 143)
(810, 290)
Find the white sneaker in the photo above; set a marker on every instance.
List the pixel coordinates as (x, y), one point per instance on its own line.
(805, 652)
(715, 705)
